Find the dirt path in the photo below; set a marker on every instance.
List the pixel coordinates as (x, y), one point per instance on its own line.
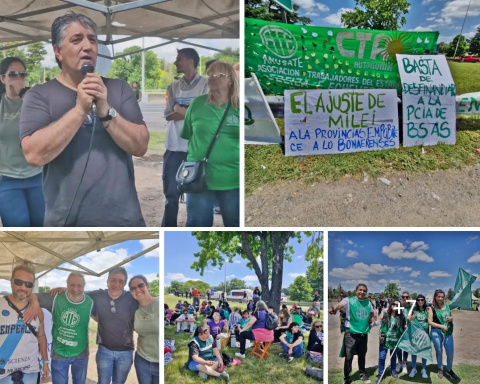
(447, 198)
(148, 180)
(465, 331)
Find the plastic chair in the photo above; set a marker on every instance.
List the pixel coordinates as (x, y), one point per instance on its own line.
(263, 340)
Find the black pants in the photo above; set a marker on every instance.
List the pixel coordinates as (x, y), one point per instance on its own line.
(243, 340)
(355, 344)
(171, 163)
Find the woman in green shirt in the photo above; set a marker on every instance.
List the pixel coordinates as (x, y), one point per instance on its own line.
(441, 320)
(420, 313)
(223, 167)
(147, 325)
(391, 329)
(21, 196)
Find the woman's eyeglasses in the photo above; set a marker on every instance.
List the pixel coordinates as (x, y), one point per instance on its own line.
(420, 299)
(405, 297)
(215, 75)
(22, 74)
(319, 326)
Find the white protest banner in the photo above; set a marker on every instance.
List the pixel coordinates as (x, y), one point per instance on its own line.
(321, 121)
(469, 103)
(428, 101)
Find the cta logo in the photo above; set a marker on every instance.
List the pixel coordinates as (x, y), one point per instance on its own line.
(233, 120)
(421, 339)
(278, 40)
(362, 313)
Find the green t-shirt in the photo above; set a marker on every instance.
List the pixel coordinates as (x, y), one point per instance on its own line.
(359, 318)
(146, 324)
(70, 325)
(392, 329)
(422, 317)
(442, 315)
(200, 124)
(12, 160)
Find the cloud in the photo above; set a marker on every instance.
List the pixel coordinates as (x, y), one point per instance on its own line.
(250, 279)
(426, 2)
(457, 9)
(294, 275)
(415, 273)
(147, 244)
(177, 277)
(422, 29)
(436, 274)
(311, 7)
(350, 242)
(475, 258)
(231, 276)
(335, 18)
(405, 269)
(397, 250)
(341, 250)
(352, 254)
(361, 271)
(237, 260)
(472, 238)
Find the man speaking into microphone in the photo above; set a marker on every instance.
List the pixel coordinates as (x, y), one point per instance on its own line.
(83, 129)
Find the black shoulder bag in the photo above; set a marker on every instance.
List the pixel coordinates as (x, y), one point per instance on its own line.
(191, 174)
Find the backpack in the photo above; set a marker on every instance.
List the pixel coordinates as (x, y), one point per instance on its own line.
(315, 373)
(270, 322)
(227, 359)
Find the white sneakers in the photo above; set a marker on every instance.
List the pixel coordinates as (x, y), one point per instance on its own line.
(238, 354)
(413, 372)
(424, 374)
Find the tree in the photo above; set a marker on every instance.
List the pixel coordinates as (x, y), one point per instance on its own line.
(44, 289)
(391, 290)
(269, 11)
(229, 55)
(271, 248)
(300, 289)
(176, 285)
(414, 295)
(475, 42)
(198, 284)
(459, 44)
(377, 14)
(450, 294)
(340, 289)
(443, 47)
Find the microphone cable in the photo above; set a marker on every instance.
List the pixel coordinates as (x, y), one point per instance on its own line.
(86, 68)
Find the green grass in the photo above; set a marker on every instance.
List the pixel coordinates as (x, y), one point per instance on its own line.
(273, 369)
(157, 141)
(467, 373)
(374, 164)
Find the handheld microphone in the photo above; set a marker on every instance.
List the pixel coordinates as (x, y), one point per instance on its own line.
(89, 68)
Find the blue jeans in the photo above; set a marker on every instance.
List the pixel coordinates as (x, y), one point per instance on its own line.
(28, 378)
(113, 366)
(296, 351)
(382, 356)
(200, 208)
(447, 341)
(21, 202)
(60, 371)
(147, 372)
(414, 362)
(171, 163)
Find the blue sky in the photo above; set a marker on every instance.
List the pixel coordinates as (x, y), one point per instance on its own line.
(147, 265)
(179, 250)
(445, 16)
(418, 261)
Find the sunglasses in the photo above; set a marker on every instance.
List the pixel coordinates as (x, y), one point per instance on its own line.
(405, 297)
(319, 326)
(22, 74)
(133, 288)
(420, 299)
(218, 75)
(19, 283)
(113, 309)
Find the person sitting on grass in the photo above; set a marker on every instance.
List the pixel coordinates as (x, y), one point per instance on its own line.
(292, 342)
(315, 338)
(168, 313)
(185, 322)
(257, 321)
(211, 311)
(314, 310)
(179, 306)
(298, 315)
(216, 325)
(272, 312)
(234, 317)
(203, 355)
(202, 308)
(284, 320)
(242, 322)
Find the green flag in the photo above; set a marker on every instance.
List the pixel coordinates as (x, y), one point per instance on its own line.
(416, 341)
(285, 56)
(462, 294)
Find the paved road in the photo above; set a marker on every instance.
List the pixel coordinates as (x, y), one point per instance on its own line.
(153, 115)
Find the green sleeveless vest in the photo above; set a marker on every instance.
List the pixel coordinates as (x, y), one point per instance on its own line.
(359, 315)
(70, 325)
(422, 317)
(442, 315)
(206, 349)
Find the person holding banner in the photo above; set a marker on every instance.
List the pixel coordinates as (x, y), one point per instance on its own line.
(441, 320)
(419, 313)
(392, 327)
(402, 366)
(359, 316)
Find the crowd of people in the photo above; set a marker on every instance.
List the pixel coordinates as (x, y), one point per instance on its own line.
(64, 144)
(207, 322)
(118, 313)
(358, 316)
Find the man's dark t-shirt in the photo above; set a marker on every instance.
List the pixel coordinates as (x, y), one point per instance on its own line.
(107, 196)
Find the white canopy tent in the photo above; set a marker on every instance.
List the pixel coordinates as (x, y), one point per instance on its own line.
(46, 251)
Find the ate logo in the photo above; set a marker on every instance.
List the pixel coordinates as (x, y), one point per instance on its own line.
(278, 40)
(362, 313)
(421, 339)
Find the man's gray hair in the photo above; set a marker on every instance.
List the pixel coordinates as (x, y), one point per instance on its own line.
(116, 270)
(61, 24)
(77, 274)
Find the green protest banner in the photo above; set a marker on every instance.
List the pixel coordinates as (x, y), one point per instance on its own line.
(462, 294)
(416, 341)
(285, 56)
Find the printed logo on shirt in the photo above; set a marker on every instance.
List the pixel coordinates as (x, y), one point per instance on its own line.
(422, 316)
(12, 115)
(421, 339)
(362, 313)
(70, 318)
(233, 120)
(5, 312)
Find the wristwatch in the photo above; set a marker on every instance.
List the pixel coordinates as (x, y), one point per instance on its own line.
(110, 115)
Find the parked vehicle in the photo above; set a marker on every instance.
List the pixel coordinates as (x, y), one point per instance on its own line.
(237, 294)
(468, 59)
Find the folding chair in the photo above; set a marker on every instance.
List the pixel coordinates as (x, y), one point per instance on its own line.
(263, 340)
